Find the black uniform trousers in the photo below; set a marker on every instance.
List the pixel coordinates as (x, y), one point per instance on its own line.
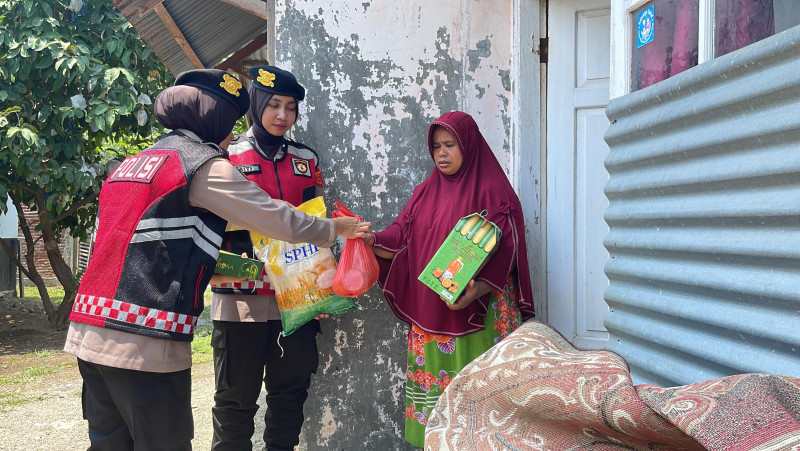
(137, 410)
(244, 355)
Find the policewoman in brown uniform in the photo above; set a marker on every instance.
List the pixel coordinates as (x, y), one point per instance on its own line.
(162, 216)
(248, 348)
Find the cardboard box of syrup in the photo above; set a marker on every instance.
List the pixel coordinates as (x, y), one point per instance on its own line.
(461, 256)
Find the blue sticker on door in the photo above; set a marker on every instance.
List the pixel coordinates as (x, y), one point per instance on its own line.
(645, 29)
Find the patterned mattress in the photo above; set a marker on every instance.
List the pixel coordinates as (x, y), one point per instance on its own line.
(535, 391)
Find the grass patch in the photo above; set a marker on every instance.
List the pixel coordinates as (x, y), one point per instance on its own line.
(40, 353)
(29, 374)
(201, 347)
(31, 293)
(16, 398)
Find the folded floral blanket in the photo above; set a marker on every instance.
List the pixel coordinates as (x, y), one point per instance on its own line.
(535, 391)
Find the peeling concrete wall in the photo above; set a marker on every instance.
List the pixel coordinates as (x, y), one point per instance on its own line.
(377, 73)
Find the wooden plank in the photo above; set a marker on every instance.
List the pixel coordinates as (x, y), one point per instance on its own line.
(176, 33)
(259, 42)
(145, 6)
(254, 7)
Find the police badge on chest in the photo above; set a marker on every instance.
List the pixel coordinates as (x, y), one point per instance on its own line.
(301, 167)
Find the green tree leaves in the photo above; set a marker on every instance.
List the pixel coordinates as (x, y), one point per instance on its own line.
(70, 85)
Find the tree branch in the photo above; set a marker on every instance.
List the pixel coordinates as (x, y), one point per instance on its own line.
(51, 239)
(23, 223)
(32, 274)
(74, 207)
(11, 255)
(21, 186)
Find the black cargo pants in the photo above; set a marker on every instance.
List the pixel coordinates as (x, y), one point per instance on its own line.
(129, 409)
(245, 354)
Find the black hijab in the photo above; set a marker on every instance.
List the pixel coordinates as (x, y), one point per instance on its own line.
(200, 111)
(268, 142)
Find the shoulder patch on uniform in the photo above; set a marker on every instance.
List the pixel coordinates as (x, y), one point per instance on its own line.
(301, 167)
(138, 168)
(318, 177)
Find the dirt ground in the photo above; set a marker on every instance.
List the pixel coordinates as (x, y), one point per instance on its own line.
(40, 387)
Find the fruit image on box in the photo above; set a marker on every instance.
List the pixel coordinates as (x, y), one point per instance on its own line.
(461, 256)
(236, 265)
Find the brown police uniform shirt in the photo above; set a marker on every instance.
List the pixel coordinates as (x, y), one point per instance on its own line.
(248, 308)
(220, 188)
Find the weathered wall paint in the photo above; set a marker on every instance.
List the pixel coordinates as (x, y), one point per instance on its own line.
(377, 73)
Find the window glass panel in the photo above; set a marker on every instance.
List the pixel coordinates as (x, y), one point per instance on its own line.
(742, 22)
(665, 40)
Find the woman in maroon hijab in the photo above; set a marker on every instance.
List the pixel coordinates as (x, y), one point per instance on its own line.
(444, 337)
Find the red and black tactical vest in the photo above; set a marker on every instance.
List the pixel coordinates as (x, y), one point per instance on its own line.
(293, 175)
(154, 253)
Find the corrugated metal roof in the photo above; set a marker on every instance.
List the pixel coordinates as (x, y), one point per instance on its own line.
(704, 219)
(212, 28)
(163, 44)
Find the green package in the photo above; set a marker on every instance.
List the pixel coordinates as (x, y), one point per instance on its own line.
(462, 255)
(236, 265)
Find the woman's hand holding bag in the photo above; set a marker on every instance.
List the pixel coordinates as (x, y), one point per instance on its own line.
(358, 267)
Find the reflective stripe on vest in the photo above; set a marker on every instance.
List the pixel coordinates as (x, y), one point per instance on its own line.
(162, 229)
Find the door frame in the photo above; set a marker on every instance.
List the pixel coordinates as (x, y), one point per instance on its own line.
(565, 286)
(529, 143)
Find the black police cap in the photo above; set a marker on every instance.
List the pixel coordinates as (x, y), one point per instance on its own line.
(277, 81)
(219, 82)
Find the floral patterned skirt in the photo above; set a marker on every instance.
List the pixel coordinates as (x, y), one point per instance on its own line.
(434, 360)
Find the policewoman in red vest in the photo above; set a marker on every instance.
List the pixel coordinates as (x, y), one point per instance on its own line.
(247, 322)
(161, 220)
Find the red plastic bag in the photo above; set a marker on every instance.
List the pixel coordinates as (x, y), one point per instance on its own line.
(358, 267)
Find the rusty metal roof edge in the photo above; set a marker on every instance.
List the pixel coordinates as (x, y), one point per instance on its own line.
(156, 35)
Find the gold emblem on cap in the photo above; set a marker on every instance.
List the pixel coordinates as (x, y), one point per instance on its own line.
(231, 84)
(266, 78)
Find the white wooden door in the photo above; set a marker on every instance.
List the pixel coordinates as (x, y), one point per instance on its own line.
(577, 93)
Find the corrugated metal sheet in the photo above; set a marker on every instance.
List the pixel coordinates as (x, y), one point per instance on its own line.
(704, 219)
(164, 45)
(213, 29)
(156, 36)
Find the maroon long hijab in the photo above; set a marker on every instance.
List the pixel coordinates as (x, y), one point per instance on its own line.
(433, 210)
